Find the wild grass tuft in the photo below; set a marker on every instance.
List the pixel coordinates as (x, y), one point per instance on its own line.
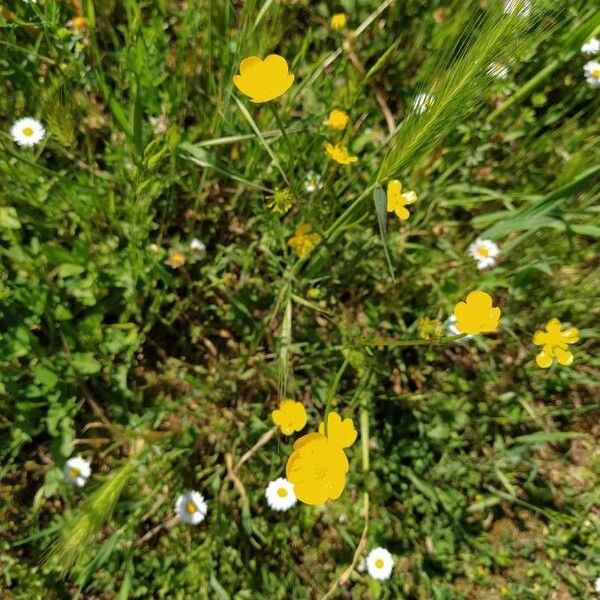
(77, 533)
(460, 80)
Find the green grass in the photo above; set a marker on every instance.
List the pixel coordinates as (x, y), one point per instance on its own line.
(480, 471)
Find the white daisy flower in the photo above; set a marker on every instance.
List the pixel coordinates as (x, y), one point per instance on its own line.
(361, 566)
(280, 494)
(451, 329)
(521, 7)
(597, 584)
(380, 563)
(591, 71)
(591, 47)
(191, 508)
(197, 246)
(422, 102)
(27, 132)
(77, 471)
(484, 252)
(498, 71)
(313, 182)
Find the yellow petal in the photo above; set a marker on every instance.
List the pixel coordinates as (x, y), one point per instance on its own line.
(571, 335)
(539, 337)
(402, 213)
(341, 433)
(277, 416)
(248, 63)
(394, 191)
(305, 439)
(543, 360)
(277, 65)
(493, 318)
(479, 299)
(410, 197)
(563, 356)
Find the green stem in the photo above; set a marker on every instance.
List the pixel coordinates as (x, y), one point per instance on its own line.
(332, 390)
(288, 145)
(393, 343)
(281, 126)
(364, 438)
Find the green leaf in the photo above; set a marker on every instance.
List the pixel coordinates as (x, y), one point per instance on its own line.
(591, 230)
(45, 376)
(532, 217)
(8, 218)
(380, 200)
(69, 270)
(85, 363)
(544, 437)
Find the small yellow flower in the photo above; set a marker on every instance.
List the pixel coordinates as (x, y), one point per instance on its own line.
(281, 201)
(176, 259)
(340, 154)
(397, 201)
(476, 314)
(79, 24)
(303, 241)
(554, 342)
(263, 80)
(338, 119)
(290, 416)
(339, 21)
(341, 433)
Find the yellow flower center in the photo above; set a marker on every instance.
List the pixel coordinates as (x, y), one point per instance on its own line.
(28, 131)
(282, 492)
(74, 472)
(379, 563)
(177, 259)
(483, 251)
(191, 508)
(320, 472)
(596, 73)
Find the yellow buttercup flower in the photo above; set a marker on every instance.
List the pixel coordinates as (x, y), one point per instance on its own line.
(263, 80)
(476, 314)
(338, 119)
(339, 21)
(397, 200)
(554, 342)
(317, 467)
(340, 154)
(341, 433)
(303, 241)
(290, 416)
